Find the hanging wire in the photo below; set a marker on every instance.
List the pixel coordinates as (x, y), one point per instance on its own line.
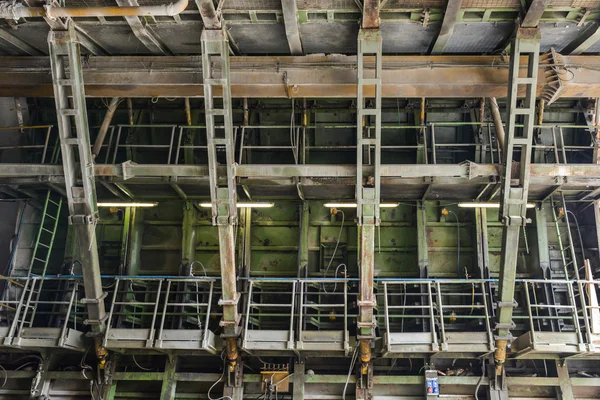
(215, 384)
(354, 357)
(335, 249)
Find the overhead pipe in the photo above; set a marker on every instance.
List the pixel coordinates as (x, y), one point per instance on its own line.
(15, 11)
(500, 135)
(110, 112)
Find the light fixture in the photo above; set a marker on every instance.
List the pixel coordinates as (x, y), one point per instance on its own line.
(487, 205)
(244, 205)
(115, 204)
(353, 205)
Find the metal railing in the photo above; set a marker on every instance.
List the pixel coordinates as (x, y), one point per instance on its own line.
(308, 302)
(149, 304)
(40, 145)
(440, 306)
(24, 305)
(270, 291)
(165, 147)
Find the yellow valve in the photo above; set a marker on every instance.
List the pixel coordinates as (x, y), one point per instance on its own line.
(452, 316)
(332, 316)
(444, 212)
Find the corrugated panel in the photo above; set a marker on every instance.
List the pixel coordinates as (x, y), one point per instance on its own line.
(467, 37)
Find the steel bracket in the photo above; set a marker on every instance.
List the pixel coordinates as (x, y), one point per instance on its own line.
(81, 219)
(94, 301)
(507, 304)
(499, 325)
(96, 321)
(231, 302)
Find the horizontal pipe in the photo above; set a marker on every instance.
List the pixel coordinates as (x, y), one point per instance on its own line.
(15, 11)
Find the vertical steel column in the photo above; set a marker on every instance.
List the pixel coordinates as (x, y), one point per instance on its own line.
(513, 205)
(215, 49)
(422, 256)
(169, 383)
(188, 245)
(303, 241)
(75, 146)
(367, 192)
(565, 390)
(298, 382)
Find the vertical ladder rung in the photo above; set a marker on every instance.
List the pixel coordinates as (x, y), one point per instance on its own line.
(67, 112)
(64, 82)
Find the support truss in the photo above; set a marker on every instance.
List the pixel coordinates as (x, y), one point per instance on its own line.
(515, 191)
(367, 191)
(219, 132)
(77, 160)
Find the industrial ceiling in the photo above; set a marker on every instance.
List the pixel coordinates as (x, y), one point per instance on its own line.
(244, 199)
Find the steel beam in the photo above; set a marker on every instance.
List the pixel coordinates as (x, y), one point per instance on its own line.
(449, 22)
(565, 390)
(513, 206)
(370, 14)
(584, 41)
(210, 18)
(219, 133)
(368, 191)
(534, 13)
(188, 245)
(143, 32)
(540, 174)
(169, 383)
(77, 160)
(311, 76)
(19, 43)
(88, 42)
(290, 19)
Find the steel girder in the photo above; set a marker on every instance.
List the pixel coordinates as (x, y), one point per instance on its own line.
(312, 76)
(513, 206)
(77, 160)
(215, 47)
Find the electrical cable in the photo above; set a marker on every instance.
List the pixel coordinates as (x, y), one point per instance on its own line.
(25, 365)
(202, 265)
(480, 379)
(354, 357)
(5, 376)
(335, 248)
(215, 384)
(578, 233)
(139, 366)
(458, 246)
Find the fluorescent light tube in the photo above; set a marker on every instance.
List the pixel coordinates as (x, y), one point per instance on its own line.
(112, 204)
(244, 205)
(487, 205)
(353, 205)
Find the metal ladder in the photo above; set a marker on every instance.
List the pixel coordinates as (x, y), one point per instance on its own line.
(42, 250)
(215, 45)
(568, 255)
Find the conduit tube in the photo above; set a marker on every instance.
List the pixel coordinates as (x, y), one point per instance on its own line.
(11, 10)
(110, 112)
(500, 135)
